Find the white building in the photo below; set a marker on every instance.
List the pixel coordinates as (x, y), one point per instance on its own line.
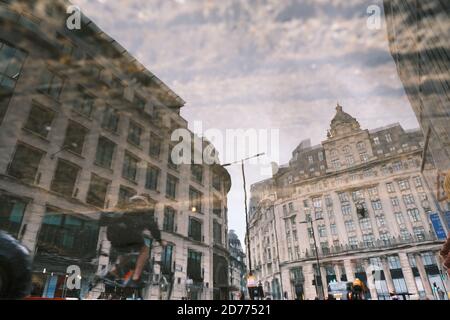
(317, 195)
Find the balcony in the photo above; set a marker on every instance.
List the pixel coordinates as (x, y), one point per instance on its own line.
(377, 245)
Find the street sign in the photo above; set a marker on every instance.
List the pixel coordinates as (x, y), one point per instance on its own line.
(437, 226)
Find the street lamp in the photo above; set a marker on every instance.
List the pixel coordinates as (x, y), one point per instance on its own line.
(245, 203)
(310, 221)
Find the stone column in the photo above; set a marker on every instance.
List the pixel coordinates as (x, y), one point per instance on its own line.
(424, 276)
(370, 280)
(387, 274)
(323, 276)
(408, 273)
(349, 271)
(337, 271)
(309, 289)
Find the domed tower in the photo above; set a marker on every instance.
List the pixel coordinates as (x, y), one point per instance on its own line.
(343, 123)
(347, 144)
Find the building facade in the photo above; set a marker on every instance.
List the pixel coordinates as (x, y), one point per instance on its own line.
(238, 269)
(83, 127)
(418, 40)
(358, 200)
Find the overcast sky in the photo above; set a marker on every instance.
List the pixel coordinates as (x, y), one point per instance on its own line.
(263, 64)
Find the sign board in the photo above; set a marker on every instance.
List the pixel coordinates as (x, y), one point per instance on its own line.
(437, 226)
(251, 281)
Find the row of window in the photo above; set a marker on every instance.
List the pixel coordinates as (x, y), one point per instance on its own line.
(26, 160)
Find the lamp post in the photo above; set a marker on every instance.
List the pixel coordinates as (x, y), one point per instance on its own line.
(245, 203)
(322, 292)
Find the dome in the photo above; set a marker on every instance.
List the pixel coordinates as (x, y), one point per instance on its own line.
(343, 123)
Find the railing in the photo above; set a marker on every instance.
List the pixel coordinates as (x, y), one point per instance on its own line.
(377, 244)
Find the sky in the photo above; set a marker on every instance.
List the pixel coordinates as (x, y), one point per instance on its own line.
(263, 64)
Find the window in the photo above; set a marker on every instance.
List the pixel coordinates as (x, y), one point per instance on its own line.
(328, 201)
(117, 86)
(110, 119)
(388, 137)
(395, 202)
(310, 159)
(134, 133)
(171, 186)
(166, 259)
(390, 187)
(399, 218)
(343, 197)
(285, 212)
(169, 219)
(83, 103)
(376, 140)
(417, 182)
(75, 135)
(194, 266)
(152, 177)
(346, 209)
(195, 200)
(373, 191)
(365, 224)
(11, 213)
(105, 152)
(12, 60)
(346, 149)
(349, 225)
(125, 194)
(404, 234)
(381, 221)
(353, 242)
(408, 199)
(324, 247)
(139, 102)
(217, 232)
(61, 233)
(217, 206)
(51, 84)
(65, 177)
(322, 230)
(419, 232)
(98, 188)
(291, 206)
(155, 146)
(397, 166)
(349, 160)
(310, 232)
(414, 214)
(130, 167)
(360, 146)
(25, 163)
(384, 236)
(40, 120)
(335, 163)
(333, 229)
(305, 203)
(403, 185)
(364, 157)
(197, 172)
(368, 240)
(376, 205)
(357, 195)
(217, 182)
(195, 229)
(320, 156)
(294, 235)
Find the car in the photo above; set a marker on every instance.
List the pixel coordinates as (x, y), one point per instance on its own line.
(15, 268)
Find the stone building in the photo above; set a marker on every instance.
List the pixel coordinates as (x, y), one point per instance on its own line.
(238, 269)
(360, 194)
(418, 41)
(83, 127)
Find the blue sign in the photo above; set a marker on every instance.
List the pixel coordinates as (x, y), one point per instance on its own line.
(447, 218)
(438, 227)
